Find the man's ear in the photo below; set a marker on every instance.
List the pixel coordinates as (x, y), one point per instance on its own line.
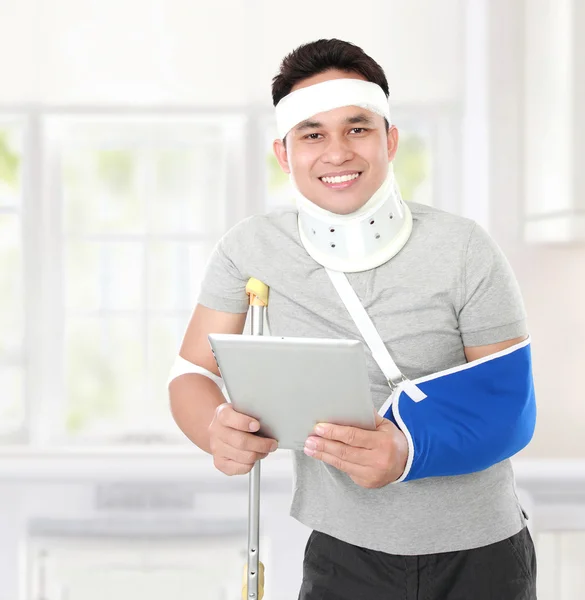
(392, 141)
(281, 155)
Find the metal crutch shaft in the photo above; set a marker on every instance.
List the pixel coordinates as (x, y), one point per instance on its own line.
(254, 573)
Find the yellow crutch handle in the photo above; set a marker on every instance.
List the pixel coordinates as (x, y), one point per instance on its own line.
(258, 292)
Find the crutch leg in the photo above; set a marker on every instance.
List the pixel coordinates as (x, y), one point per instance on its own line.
(253, 583)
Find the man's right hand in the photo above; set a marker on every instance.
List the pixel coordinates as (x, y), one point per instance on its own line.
(235, 449)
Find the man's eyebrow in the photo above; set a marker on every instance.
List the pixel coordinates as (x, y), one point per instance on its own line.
(361, 118)
(308, 125)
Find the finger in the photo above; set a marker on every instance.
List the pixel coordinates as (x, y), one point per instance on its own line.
(231, 467)
(229, 417)
(242, 456)
(352, 436)
(247, 441)
(356, 456)
(358, 471)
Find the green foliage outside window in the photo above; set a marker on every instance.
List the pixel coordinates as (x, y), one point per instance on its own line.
(411, 164)
(9, 161)
(115, 169)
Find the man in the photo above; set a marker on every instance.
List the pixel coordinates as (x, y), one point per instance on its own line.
(425, 505)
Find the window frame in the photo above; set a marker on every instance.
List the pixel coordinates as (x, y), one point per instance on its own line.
(21, 210)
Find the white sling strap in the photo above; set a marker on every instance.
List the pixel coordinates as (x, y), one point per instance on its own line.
(372, 338)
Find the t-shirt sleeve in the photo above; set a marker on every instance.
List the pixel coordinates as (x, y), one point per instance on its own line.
(492, 309)
(224, 286)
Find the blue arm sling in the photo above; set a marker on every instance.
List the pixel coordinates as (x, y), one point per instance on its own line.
(460, 420)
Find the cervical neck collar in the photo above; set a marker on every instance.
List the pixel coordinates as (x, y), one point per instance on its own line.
(362, 240)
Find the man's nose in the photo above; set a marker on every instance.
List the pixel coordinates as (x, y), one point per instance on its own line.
(338, 150)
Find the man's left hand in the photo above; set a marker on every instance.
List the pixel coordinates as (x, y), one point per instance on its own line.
(372, 459)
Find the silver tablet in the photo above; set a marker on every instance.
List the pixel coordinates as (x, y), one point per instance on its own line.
(291, 384)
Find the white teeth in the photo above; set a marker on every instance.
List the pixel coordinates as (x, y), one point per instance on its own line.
(340, 179)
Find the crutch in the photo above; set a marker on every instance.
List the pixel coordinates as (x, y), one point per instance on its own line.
(253, 582)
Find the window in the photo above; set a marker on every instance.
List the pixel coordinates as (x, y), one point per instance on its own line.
(12, 298)
(136, 207)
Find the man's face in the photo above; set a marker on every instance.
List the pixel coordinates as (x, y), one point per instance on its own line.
(348, 142)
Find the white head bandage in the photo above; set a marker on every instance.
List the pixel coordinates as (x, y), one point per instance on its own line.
(335, 93)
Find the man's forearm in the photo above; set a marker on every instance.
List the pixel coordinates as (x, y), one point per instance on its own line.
(194, 400)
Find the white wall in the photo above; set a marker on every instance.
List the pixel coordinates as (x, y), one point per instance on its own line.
(220, 53)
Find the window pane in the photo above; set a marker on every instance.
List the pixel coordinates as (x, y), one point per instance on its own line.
(278, 191)
(11, 289)
(11, 400)
(189, 194)
(104, 374)
(413, 166)
(143, 202)
(126, 177)
(10, 163)
(174, 274)
(104, 275)
(101, 191)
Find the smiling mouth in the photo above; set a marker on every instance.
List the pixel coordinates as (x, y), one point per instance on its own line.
(341, 181)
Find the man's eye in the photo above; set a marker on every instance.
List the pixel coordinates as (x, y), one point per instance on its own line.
(310, 136)
(360, 129)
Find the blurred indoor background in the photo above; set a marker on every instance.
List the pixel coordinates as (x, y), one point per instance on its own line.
(132, 135)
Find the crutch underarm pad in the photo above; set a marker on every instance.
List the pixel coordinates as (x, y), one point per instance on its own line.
(473, 417)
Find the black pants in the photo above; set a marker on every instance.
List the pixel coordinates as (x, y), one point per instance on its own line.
(335, 570)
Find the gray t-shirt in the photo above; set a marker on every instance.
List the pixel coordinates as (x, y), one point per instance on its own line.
(449, 287)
